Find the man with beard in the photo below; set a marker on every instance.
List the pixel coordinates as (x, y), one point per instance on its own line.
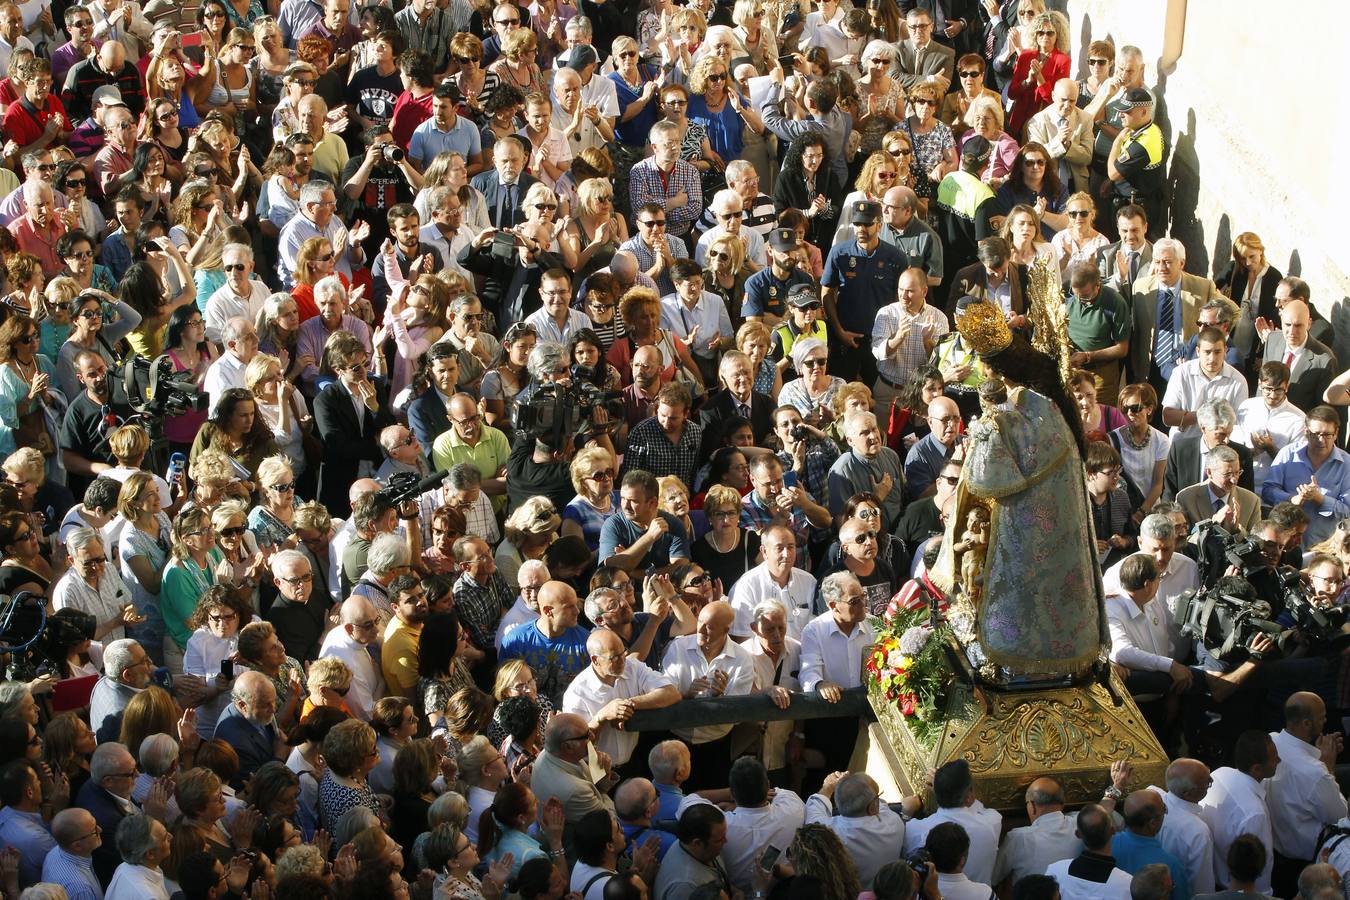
(554, 645)
(374, 185)
(868, 466)
(399, 655)
(767, 290)
(84, 449)
(639, 398)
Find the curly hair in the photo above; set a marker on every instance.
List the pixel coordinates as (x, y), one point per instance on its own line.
(817, 852)
(218, 596)
(698, 78)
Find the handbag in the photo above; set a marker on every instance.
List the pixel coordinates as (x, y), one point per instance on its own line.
(32, 431)
(683, 376)
(896, 425)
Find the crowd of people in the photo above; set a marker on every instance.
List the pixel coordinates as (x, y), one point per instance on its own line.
(396, 400)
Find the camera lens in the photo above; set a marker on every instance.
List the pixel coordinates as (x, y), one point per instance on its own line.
(392, 153)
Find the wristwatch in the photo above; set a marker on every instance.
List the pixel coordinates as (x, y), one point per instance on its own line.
(1113, 793)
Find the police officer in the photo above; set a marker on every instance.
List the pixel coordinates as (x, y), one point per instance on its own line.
(806, 318)
(966, 204)
(766, 291)
(1134, 166)
(861, 276)
(961, 367)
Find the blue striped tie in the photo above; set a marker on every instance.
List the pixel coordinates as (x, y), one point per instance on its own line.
(1164, 340)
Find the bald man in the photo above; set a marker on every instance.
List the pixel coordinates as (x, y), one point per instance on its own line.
(1312, 364)
(553, 645)
(1185, 833)
(1050, 836)
(472, 440)
(611, 689)
(903, 227)
(927, 457)
(358, 630)
(708, 664)
(560, 770)
(71, 862)
(1303, 795)
(1138, 845)
(248, 724)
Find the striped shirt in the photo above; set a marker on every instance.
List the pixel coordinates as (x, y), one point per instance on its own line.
(74, 873)
(760, 218)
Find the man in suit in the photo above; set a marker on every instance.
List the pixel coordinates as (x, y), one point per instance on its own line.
(107, 797)
(1166, 313)
(1187, 457)
(957, 22)
(350, 413)
(993, 278)
(1065, 132)
(1219, 498)
(1311, 363)
(1125, 261)
(511, 283)
(737, 398)
(248, 723)
(426, 415)
(504, 187)
(921, 58)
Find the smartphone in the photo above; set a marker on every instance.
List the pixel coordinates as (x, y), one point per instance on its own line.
(227, 669)
(162, 677)
(771, 854)
(789, 478)
(788, 62)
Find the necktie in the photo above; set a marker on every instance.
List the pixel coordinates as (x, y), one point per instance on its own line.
(1133, 266)
(1065, 175)
(1218, 503)
(1289, 359)
(1164, 339)
(990, 38)
(510, 206)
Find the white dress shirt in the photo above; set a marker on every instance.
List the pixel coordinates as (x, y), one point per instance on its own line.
(830, 655)
(872, 841)
(1285, 424)
(1302, 797)
(684, 662)
(1185, 834)
(1117, 887)
(225, 304)
(983, 827)
(136, 883)
(1189, 387)
(757, 584)
(548, 329)
(225, 373)
(367, 682)
(1182, 575)
(749, 829)
(587, 695)
(783, 673)
(958, 886)
(1029, 849)
(1141, 639)
(1234, 806)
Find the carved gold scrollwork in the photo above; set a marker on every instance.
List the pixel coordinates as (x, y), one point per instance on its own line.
(1043, 733)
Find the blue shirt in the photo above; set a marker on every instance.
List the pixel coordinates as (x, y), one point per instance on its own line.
(621, 531)
(1133, 852)
(74, 873)
(555, 661)
(671, 798)
(765, 293)
(26, 832)
(1292, 468)
(865, 281)
(428, 140)
(634, 131)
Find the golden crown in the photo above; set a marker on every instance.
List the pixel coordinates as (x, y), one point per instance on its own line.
(984, 327)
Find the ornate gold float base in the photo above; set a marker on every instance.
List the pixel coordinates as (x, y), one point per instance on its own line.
(1072, 734)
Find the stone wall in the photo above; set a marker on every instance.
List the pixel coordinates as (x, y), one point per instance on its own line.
(1256, 140)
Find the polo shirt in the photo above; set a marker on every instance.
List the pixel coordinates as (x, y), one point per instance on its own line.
(621, 531)
(765, 293)
(866, 281)
(399, 657)
(488, 455)
(24, 124)
(1133, 852)
(429, 140)
(1101, 323)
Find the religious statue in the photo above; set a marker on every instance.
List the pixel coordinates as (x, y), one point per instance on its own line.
(971, 551)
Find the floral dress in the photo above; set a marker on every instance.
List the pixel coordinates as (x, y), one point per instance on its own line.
(929, 150)
(336, 798)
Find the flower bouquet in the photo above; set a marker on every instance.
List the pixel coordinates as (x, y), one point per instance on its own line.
(908, 668)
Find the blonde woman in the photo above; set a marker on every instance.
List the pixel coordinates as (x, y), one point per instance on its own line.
(327, 685)
(715, 104)
(517, 66)
(187, 575)
(269, 64)
(593, 476)
(932, 142)
(878, 175)
(272, 521)
(755, 339)
(235, 91)
(530, 528)
(200, 217)
(1080, 242)
(450, 170)
(142, 533)
(595, 230)
(314, 262)
(757, 40)
(673, 498)
(1250, 282)
(280, 406)
(681, 36)
(985, 118)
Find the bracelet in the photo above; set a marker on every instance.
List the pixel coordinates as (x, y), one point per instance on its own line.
(556, 854)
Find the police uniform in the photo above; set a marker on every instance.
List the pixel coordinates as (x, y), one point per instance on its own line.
(865, 282)
(965, 204)
(1140, 163)
(766, 294)
(950, 352)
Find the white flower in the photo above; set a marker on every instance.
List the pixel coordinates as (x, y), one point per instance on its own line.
(914, 639)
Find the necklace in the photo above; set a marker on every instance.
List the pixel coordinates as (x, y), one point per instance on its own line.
(1138, 445)
(712, 539)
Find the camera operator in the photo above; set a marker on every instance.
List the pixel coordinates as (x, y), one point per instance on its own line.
(374, 183)
(1177, 573)
(86, 426)
(512, 262)
(540, 462)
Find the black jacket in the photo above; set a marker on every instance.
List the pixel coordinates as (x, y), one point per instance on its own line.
(1183, 466)
(790, 190)
(720, 407)
(347, 442)
(510, 290)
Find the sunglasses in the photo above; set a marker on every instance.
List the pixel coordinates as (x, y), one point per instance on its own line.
(972, 73)
(1079, 213)
(545, 207)
(813, 362)
(1093, 61)
(76, 182)
(699, 580)
(91, 314)
(81, 254)
(864, 538)
(327, 257)
(1034, 163)
(810, 306)
(27, 339)
(284, 488)
(1133, 409)
(507, 21)
(653, 223)
(235, 267)
(627, 53)
(903, 151)
(924, 101)
(717, 76)
(232, 532)
(465, 60)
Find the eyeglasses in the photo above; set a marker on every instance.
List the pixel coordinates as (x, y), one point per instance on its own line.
(953, 480)
(1274, 390)
(298, 580)
(223, 617)
(467, 420)
(233, 532)
(902, 151)
(972, 73)
(1079, 213)
(814, 362)
(76, 183)
(507, 21)
(370, 623)
(1322, 435)
(852, 601)
(732, 215)
(235, 267)
(542, 207)
(923, 101)
(602, 475)
(920, 26)
(864, 538)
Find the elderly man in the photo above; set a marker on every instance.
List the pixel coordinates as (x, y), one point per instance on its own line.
(670, 185)
(554, 645)
(505, 185)
(402, 455)
(1178, 573)
(758, 208)
(446, 231)
(611, 689)
(1268, 422)
(1050, 837)
(532, 576)
(832, 648)
(478, 351)
(1314, 474)
(870, 465)
(902, 227)
(349, 413)
(709, 664)
(644, 635)
(107, 798)
(41, 226)
(1092, 874)
(1207, 377)
(1311, 364)
(1218, 498)
(1166, 305)
(1138, 846)
(1303, 796)
(333, 302)
(92, 586)
(737, 398)
(777, 578)
(299, 614)
(144, 843)
(859, 554)
(463, 490)
(1186, 458)
(330, 150)
(389, 557)
(903, 336)
(399, 654)
(777, 661)
(481, 593)
(70, 863)
(356, 641)
(112, 168)
(560, 770)
(241, 345)
(318, 202)
(22, 825)
(1065, 131)
(241, 296)
(872, 832)
(728, 210)
(1186, 833)
(372, 515)
(576, 109)
(249, 724)
(636, 802)
(38, 165)
(126, 668)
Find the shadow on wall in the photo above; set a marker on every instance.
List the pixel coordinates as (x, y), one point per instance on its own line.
(1183, 189)
(1223, 248)
(1084, 39)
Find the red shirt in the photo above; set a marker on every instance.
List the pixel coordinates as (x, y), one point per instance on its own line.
(21, 127)
(409, 112)
(40, 244)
